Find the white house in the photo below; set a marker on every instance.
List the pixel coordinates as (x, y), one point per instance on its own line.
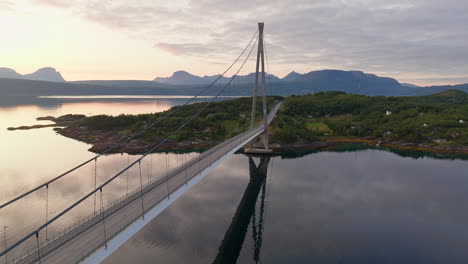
(461, 121)
(388, 112)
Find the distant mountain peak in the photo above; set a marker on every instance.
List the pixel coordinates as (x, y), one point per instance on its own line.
(9, 73)
(181, 73)
(4, 69)
(180, 77)
(47, 69)
(43, 74)
(186, 78)
(291, 76)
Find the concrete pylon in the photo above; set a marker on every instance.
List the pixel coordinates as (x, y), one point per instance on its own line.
(260, 62)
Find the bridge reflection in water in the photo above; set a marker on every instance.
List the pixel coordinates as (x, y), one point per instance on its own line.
(95, 237)
(235, 235)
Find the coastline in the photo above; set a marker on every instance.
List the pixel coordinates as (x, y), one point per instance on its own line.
(405, 145)
(330, 143)
(101, 141)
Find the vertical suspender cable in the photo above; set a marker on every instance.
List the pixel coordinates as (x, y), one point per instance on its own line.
(127, 139)
(47, 209)
(167, 179)
(38, 248)
(141, 192)
(186, 170)
(103, 218)
(188, 120)
(5, 241)
(149, 173)
(151, 167)
(95, 184)
(128, 171)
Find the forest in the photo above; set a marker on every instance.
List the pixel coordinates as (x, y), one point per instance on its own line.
(439, 119)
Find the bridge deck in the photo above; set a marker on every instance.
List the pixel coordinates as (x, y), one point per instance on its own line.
(88, 237)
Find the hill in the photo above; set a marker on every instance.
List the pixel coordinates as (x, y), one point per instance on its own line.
(21, 91)
(181, 77)
(9, 73)
(43, 74)
(437, 120)
(356, 82)
(185, 78)
(291, 76)
(310, 121)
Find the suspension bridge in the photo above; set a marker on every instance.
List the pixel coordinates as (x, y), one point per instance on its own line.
(96, 236)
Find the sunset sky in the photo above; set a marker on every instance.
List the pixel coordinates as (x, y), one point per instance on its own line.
(419, 41)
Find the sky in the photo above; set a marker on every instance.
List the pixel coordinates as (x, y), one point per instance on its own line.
(422, 42)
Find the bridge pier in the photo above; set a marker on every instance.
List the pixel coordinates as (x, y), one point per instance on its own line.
(260, 151)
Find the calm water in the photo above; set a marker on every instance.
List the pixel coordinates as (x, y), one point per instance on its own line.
(31, 157)
(365, 206)
(368, 206)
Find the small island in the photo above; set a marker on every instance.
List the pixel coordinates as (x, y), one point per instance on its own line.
(61, 121)
(434, 123)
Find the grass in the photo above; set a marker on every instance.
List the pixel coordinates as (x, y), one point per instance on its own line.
(318, 127)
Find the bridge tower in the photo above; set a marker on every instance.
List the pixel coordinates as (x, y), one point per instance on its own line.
(260, 62)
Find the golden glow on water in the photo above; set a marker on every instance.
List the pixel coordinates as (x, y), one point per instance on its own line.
(44, 150)
(31, 157)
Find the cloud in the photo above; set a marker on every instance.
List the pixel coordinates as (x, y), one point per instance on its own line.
(185, 48)
(54, 3)
(7, 6)
(418, 36)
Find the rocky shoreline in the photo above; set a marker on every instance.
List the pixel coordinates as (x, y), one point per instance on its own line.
(101, 141)
(62, 121)
(105, 140)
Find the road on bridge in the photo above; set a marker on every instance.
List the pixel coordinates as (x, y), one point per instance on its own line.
(79, 243)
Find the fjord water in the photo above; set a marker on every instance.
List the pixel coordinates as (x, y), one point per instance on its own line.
(30, 157)
(361, 206)
(367, 206)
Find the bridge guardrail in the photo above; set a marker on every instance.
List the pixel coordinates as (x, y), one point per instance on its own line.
(93, 219)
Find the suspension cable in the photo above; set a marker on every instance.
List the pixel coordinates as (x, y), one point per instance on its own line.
(161, 142)
(132, 136)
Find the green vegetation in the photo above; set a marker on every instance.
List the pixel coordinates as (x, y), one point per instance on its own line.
(218, 121)
(419, 119)
(433, 119)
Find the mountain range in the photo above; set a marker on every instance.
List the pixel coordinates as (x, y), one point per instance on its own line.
(48, 81)
(345, 77)
(43, 74)
(335, 78)
(185, 78)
